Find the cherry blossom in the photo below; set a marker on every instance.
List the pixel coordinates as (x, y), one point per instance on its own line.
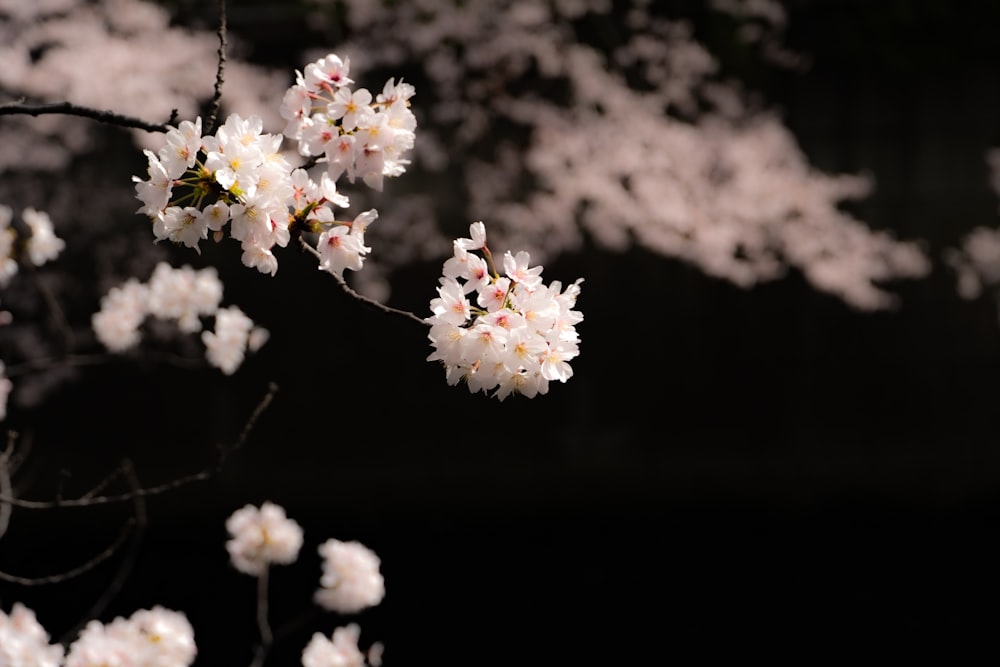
(183, 296)
(154, 637)
(23, 640)
(339, 650)
(262, 536)
(351, 580)
(521, 336)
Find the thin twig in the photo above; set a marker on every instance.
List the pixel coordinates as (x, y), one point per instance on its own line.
(294, 625)
(103, 484)
(88, 500)
(219, 71)
(138, 520)
(25, 443)
(360, 297)
(46, 363)
(56, 311)
(69, 109)
(5, 487)
(263, 625)
(76, 571)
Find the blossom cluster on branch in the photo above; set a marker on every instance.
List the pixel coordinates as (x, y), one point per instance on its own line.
(237, 176)
(154, 637)
(259, 538)
(520, 335)
(182, 296)
(351, 582)
(33, 243)
(523, 334)
(41, 245)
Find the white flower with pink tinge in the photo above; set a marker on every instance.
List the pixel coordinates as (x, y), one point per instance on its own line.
(340, 650)
(262, 536)
(154, 637)
(23, 640)
(351, 579)
(522, 334)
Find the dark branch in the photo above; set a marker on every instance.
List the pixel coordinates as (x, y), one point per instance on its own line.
(138, 520)
(55, 310)
(78, 360)
(76, 571)
(263, 625)
(219, 72)
(89, 499)
(69, 109)
(5, 485)
(360, 297)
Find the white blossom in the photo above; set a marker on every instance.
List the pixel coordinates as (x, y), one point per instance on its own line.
(643, 144)
(8, 265)
(183, 296)
(340, 650)
(226, 346)
(351, 580)
(354, 132)
(24, 642)
(123, 310)
(154, 637)
(522, 336)
(261, 536)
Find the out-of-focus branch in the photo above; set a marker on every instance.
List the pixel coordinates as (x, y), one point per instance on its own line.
(263, 625)
(138, 521)
(89, 499)
(47, 363)
(69, 109)
(360, 297)
(5, 485)
(76, 571)
(55, 310)
(220, 70)
(134, 527)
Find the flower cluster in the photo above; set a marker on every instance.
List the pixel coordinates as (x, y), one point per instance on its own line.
(41, 246)
(520, 335)
(354, 134)
(184, 296)
(33, 242)
(262, 536)
(340, 650)
(23, 640)
(154, 637)
(238, 176)
(646, 143)
(351, 579)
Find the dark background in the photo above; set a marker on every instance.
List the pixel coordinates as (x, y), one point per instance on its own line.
(727, 469)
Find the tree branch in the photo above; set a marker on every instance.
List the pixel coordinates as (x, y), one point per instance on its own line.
(128, 563)
(219, 71)
(263, 625)
(360, 297)
(76, 571)
(5, 484)
(89, 499)
(69, 109)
